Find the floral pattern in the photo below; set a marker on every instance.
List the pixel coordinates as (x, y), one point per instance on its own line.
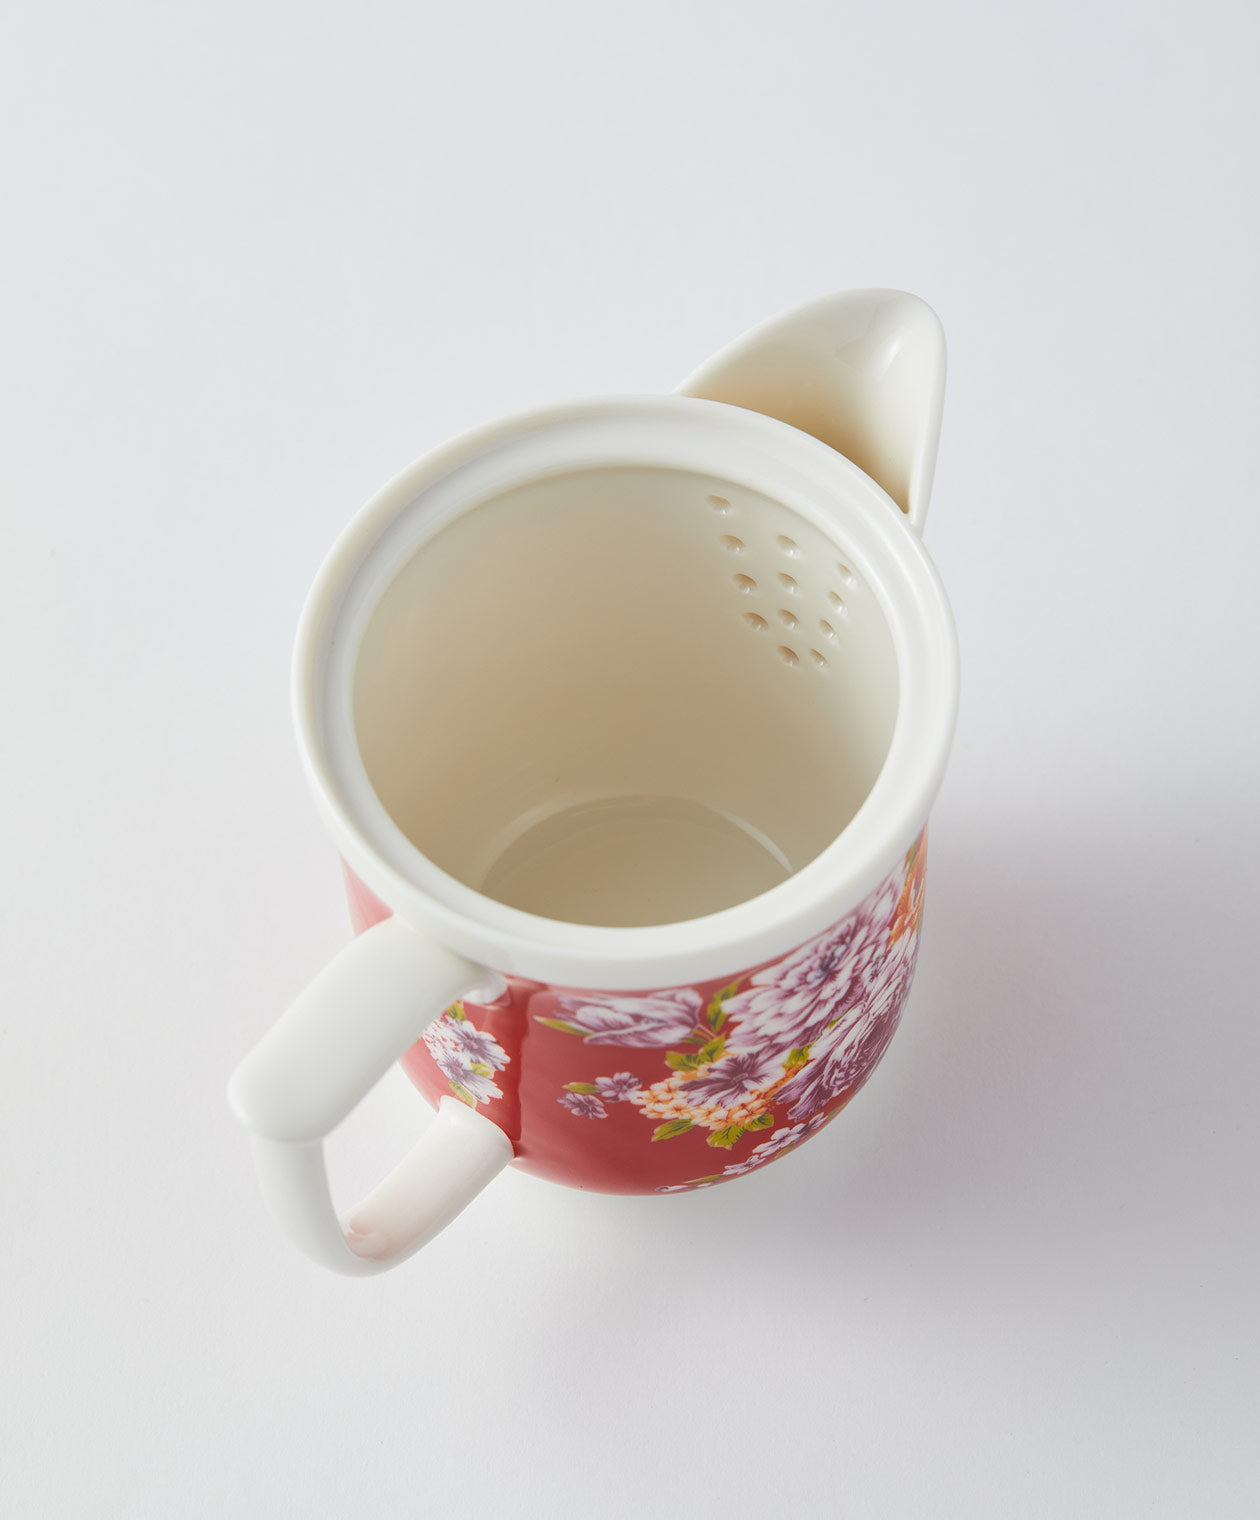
(779, 1143)
(773, 1054)
(660, 1018)
(466, 1056)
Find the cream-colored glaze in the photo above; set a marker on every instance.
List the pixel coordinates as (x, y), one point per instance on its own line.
(654, 611)
(864, 370)
(615, 641)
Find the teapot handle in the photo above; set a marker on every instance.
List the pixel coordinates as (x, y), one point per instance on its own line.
(364, 1010)
(863, 370)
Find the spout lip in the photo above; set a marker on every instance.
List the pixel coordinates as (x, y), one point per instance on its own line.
(862, 370)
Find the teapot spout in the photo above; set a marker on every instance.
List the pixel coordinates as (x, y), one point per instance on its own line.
(863, 370)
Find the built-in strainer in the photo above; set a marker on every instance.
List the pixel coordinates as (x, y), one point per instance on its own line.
(809, 589)
(625, 695)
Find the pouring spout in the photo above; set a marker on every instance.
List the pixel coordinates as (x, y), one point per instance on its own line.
(863, 370)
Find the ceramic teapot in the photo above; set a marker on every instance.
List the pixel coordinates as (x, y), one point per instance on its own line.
(626, 716)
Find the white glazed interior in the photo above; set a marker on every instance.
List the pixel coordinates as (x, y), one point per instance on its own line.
(550, 614)
(625, 695)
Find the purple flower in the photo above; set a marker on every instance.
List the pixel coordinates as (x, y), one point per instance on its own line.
(468, 1082)
(615, 1089)
(585, 1105)
(790, 1004)
(466, 1056)
(845, 1054)
(657, 1019)
(736, 1076)
(475, 1044)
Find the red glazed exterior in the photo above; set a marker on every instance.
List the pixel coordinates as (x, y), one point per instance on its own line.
(678, 1088)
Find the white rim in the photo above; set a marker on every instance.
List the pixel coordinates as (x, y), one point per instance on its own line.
(669, 431)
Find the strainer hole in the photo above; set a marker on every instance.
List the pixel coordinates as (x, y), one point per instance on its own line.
(735, 545)
(720, 504)
(846, 575)
(827, 629)
(837, 601)
(755, 620)
(788, 619)
(788, 582)
(819, 659)
(788, 545)
(789, 656)
(745, 583)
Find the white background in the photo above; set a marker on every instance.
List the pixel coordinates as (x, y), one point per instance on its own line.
(262, 255)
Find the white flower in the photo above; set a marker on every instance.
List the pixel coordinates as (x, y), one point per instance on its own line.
(781, 1139)
(739, 1168)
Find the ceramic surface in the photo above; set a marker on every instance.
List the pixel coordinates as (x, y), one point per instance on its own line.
(679, 1087)
(716, 600)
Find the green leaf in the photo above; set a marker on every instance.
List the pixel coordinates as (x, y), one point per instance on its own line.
(713, 1050)
(679, 1060)
(715, 1015)
(582, 1087)
(674, 1127)
(797, 1057)
(562, 1026)
(726, 1138)
(762, 1121)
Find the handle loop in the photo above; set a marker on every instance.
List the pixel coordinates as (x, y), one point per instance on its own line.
(363, 1011)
